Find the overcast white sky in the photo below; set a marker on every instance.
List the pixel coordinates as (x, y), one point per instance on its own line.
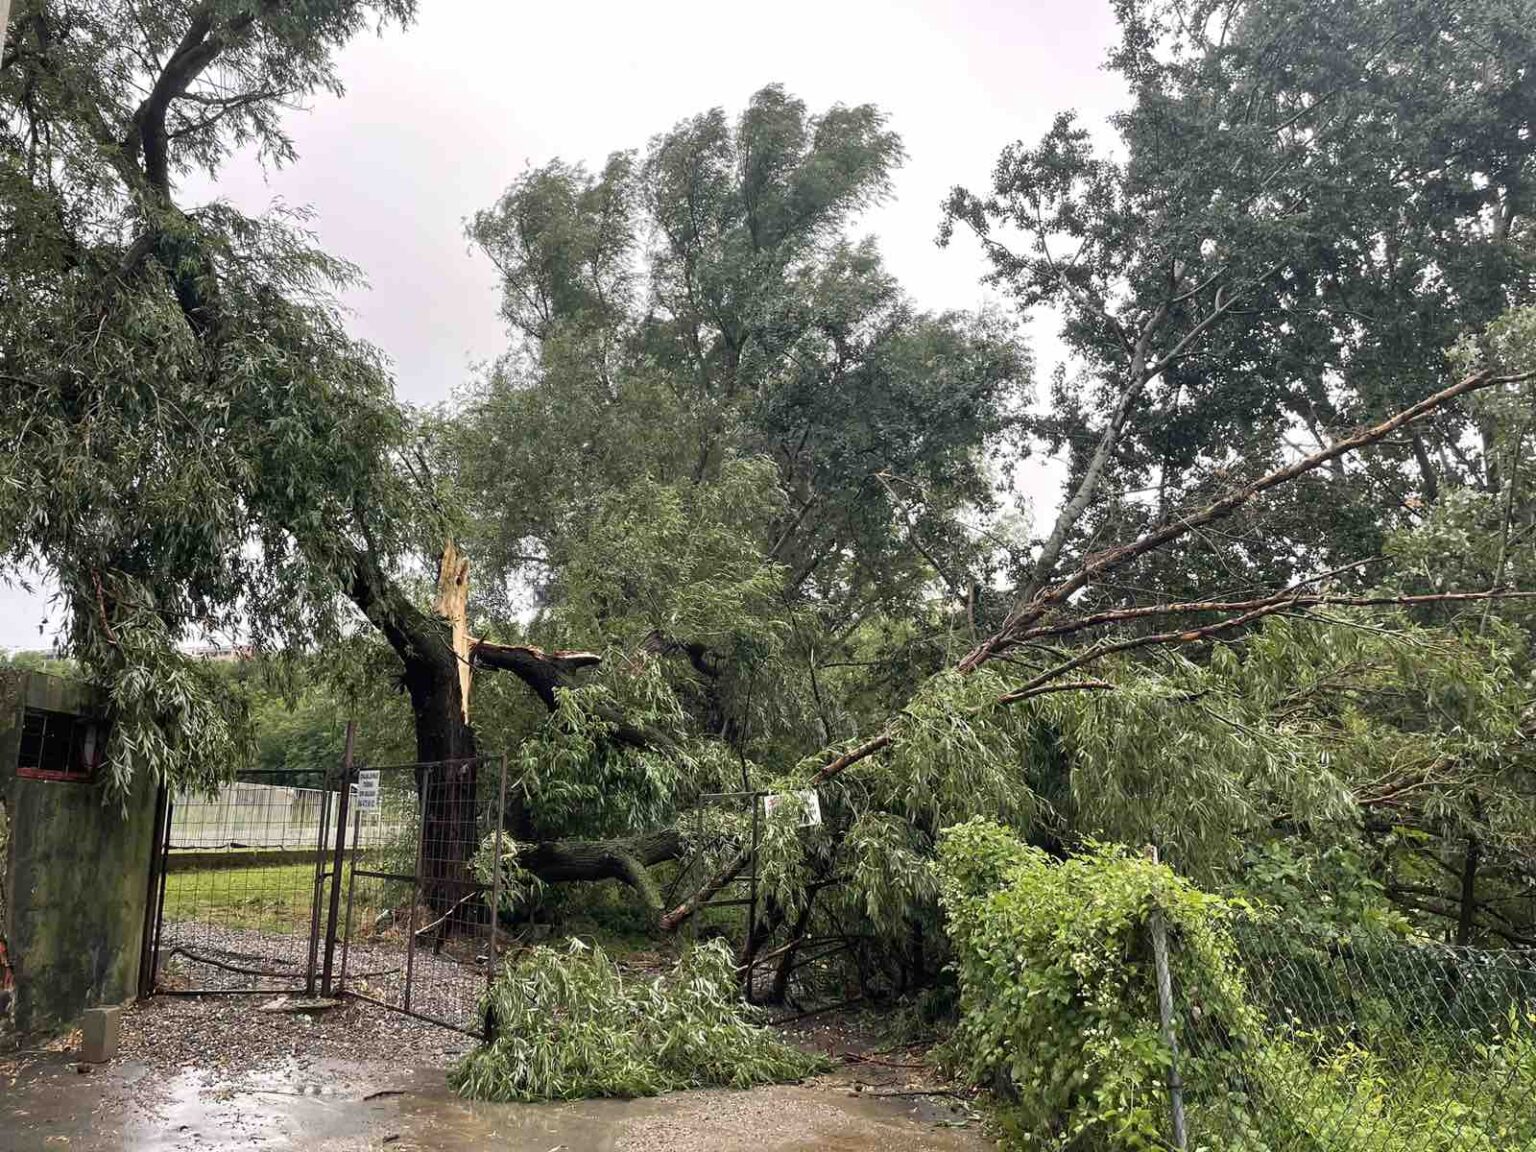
(438, 119)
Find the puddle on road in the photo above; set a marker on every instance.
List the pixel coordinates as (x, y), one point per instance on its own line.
(343, 1106)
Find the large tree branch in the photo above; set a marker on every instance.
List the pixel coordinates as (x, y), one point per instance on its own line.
(626, 859)
(1016, 630)
(548, 672)
(1026, 614)
(542, 671)
(1289, 598)
(413, 634)
(1256, 609)
(728, 872)
(202, 43)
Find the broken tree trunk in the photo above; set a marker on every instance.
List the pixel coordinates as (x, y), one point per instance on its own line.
(438, 656)
(445, 743)
(627, 859)
(452, 604)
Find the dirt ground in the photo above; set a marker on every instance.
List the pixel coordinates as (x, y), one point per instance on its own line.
(238, 1072)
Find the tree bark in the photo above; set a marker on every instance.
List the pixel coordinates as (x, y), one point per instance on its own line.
(445, 743)
(1466, 921)
(728, 872)
(625, 859)
(779, 988)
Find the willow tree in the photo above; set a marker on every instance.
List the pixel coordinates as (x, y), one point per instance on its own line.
(1301, 217)
(723, 440)
(1261, 292)
(193, 443)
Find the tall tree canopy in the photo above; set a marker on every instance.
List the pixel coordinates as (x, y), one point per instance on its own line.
(192, 442)
(729, 460)
(699, 307)
(1301, 217)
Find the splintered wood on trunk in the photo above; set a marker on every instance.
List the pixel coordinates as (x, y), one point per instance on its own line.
(437, 655)
(445, 743)
(452, 604)
(447, 781)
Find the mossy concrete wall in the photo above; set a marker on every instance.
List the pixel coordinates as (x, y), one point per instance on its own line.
(76, 877)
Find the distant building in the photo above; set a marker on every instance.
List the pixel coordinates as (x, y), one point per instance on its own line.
(220, 654)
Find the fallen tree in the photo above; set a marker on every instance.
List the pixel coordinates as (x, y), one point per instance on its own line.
(1030, 620)
(437, 679)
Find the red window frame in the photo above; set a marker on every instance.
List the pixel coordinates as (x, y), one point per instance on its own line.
(59, 746)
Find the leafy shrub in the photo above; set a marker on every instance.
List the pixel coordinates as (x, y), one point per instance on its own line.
(1288, 1040)
(567, 1025)
(1058, 1004)
(1413, 1096)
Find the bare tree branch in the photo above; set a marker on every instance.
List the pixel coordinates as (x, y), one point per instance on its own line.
(1026, 614)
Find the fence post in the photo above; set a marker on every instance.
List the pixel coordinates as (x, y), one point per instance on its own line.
(160, 829)
(750, 951)
(501, 809)
(1159, 933)
(346, 932)
(339, 861)
(422, 808)
(165, 866)
(317, 893)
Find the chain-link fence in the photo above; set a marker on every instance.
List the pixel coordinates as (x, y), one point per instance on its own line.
(1363, 1043)
(243, 877)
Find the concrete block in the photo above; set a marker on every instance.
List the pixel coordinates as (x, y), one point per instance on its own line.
(99, 1028)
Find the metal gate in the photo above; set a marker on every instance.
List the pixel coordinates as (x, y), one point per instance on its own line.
(242, 885)
(376, 883)
(419, 934)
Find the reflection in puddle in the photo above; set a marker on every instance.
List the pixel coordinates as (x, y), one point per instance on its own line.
(333, 1106)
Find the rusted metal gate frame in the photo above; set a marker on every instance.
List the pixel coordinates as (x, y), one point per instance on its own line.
(754, 798)
(338, 783)
(415, 879)
(330, 921)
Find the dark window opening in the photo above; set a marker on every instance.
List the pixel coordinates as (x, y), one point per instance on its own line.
(59, 745)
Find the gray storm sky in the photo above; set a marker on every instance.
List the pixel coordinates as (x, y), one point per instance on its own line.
(438, 119)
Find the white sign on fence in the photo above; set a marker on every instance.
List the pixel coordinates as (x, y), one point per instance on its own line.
(368, 791)
(806, 800)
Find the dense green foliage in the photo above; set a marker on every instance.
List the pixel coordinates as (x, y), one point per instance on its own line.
(193, 444)
(722, 431)
(1060, 1015)
(1058, 1007)
(567, 1025)
(770, 501)
(1302, 213)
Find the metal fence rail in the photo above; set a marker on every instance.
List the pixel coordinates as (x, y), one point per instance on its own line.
(374, 883)
(256, 813)
(419, 934)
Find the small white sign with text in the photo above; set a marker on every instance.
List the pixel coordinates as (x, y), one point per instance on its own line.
(805, 799)
(368, 791)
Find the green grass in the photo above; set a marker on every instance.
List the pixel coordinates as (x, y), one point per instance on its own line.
(270, 898)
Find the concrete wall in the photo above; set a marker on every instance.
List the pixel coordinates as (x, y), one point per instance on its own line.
(76, 876)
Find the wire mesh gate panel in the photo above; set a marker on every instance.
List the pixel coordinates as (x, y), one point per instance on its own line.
(419, 935)
(244, 877)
